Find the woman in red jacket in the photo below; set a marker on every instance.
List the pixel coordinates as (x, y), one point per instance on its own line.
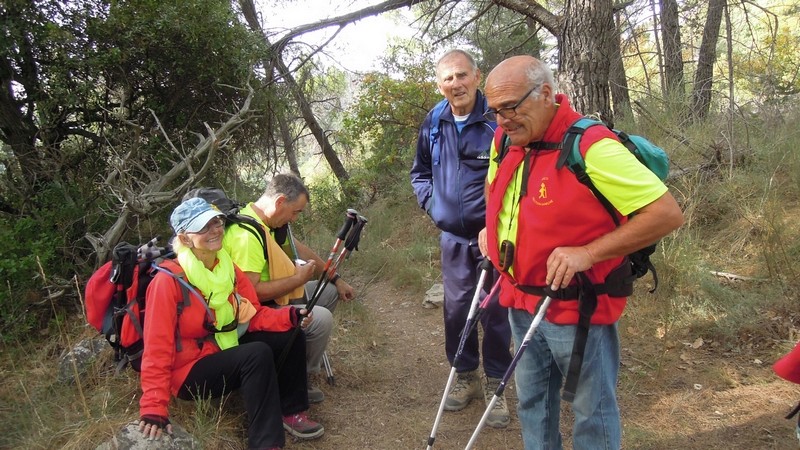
(222, 341)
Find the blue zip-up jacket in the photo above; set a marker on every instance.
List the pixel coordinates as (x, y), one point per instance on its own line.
(451, 191)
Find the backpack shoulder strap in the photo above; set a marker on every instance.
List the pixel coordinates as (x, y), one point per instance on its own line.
(501, 146)
(186, 289)
(253, 227)
(572, 158)
(435, 145)
(570, 148)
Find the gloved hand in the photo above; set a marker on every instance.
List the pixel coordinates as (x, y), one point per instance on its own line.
(152, 425)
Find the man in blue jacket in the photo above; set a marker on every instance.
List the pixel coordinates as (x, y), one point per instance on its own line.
(448, 179)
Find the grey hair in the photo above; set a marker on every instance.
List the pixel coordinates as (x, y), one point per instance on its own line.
(288, 185)
(457, 51)
(538, 73)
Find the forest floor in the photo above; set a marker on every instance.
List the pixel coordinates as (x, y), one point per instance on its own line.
(390, 371)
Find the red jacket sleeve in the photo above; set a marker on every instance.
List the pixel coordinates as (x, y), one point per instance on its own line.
(266, 318)
(160, 322)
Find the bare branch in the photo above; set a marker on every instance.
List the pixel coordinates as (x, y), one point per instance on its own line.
(145, 196)
(535, 11)
(469, 21)
(343, 20)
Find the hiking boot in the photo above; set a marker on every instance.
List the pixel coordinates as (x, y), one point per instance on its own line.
(301, 427)
(315, 395)
(498, 417)
(467, 386)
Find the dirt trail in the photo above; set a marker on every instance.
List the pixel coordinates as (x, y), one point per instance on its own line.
(389, 385)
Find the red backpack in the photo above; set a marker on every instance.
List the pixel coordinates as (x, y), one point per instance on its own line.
(116, 294)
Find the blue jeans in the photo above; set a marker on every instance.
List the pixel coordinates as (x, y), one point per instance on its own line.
(540, 374)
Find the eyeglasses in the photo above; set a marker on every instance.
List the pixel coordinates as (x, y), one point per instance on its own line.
(216, 222)
(507, 112)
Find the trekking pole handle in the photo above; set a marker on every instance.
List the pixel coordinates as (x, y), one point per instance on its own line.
(350, 218)
(485, 264)
(355, 236)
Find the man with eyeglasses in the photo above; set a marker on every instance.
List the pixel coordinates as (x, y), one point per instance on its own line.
(448, 176)
(545, 230)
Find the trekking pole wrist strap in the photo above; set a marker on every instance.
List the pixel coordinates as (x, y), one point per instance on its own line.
(332, 280)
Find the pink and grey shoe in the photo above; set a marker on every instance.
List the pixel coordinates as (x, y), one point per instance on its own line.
(301, 427)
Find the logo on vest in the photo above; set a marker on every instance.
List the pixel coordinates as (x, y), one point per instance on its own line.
(543, 199)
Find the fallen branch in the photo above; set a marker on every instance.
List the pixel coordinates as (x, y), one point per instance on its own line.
(734, 277)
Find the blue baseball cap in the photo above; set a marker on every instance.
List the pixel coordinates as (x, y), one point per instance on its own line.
(192, 215)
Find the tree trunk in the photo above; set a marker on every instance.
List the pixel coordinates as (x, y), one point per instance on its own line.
(288, 147)
(703, 78)
(584, 55)
(659, 51)
(673, 58)
(618, 80)
(248, 9)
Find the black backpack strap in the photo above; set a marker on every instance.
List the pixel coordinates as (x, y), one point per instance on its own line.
(124, 261)
(587, 303)
(794, 412)
(640, 260)
(505, 142)
(254, 228)
(570, 146)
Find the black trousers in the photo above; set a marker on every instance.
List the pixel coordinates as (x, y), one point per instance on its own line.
(292, 379)
(251, 368)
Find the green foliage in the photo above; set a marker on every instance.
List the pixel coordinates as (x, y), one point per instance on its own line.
(382, 124)
(495, 35)
(90, 78)
(35, 248)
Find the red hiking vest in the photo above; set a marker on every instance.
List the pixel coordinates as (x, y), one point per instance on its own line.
(556, 211)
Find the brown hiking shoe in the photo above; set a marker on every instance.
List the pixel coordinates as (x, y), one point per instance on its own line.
(498, 417)
(467, 386)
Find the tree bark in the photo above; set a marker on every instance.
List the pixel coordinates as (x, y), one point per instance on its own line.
(673, 57)
(703, 78)
(585, 55)
(617, 79)
(288, 147)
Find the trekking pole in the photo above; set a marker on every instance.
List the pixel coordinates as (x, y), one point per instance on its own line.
(350, 244)
(326, 361)
(352, 223)
(531, 329)
(348, 222)
(351, 217)
(474, 311)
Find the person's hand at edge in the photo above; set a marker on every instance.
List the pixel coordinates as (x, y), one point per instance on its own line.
(151, 426)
